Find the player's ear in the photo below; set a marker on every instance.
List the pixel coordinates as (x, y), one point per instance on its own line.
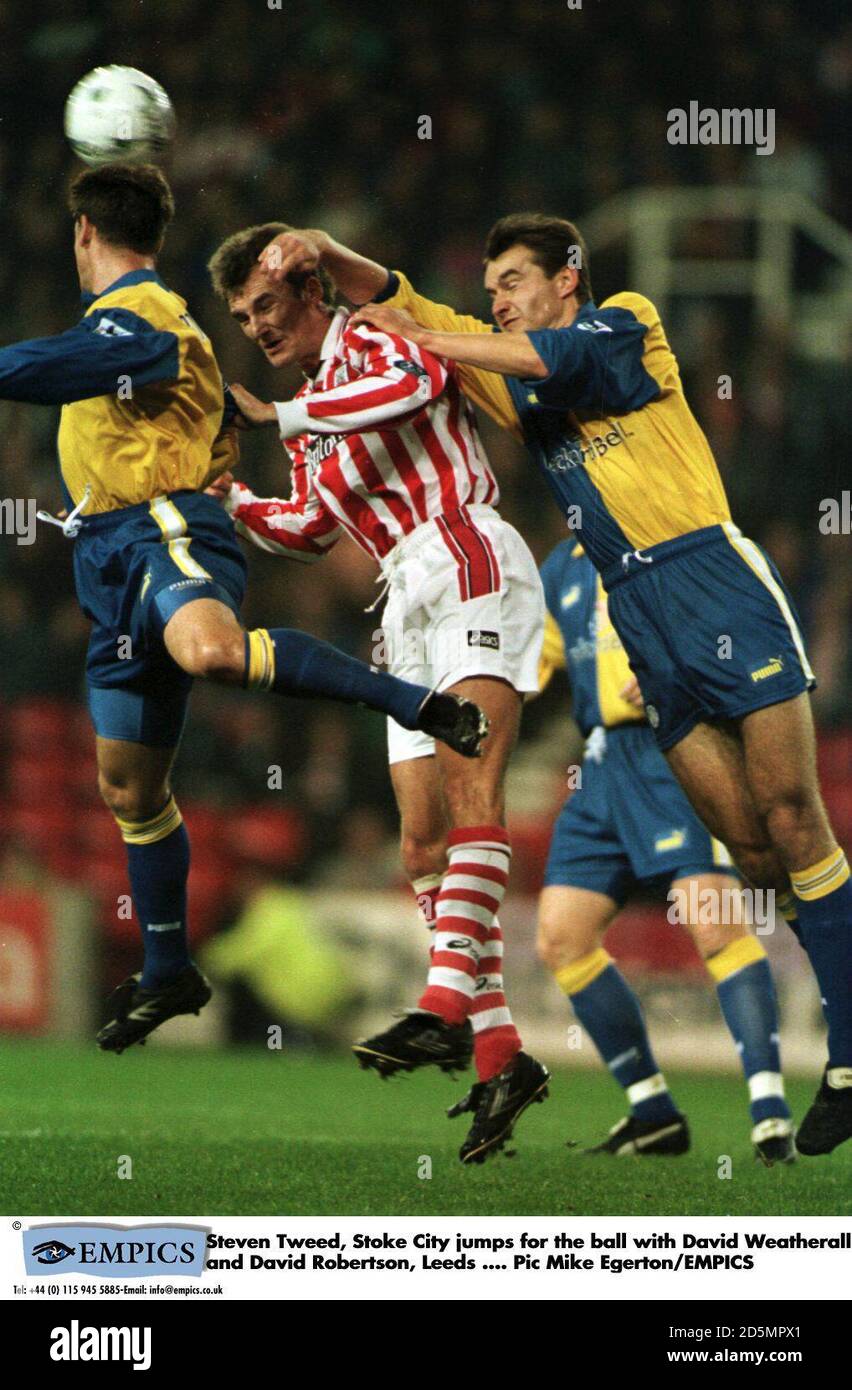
(84, 230)
(311, 290)
(567, 280)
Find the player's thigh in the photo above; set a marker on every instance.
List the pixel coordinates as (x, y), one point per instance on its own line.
(475, 786)
(423, 816)
(709, 763)
(779, 747)
(571, 922)
(712, 908)
(204, 637)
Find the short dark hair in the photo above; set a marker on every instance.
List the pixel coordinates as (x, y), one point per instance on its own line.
(551, 241)
(233, 262)
(130, 205)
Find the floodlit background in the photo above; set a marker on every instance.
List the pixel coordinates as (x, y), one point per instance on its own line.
(310, 114)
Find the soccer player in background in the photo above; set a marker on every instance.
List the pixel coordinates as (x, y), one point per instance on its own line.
(629, 823)
(710, 631)
(157, 568)
(384, 448)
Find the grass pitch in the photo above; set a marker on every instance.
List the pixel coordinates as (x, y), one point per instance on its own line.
(247, 1132)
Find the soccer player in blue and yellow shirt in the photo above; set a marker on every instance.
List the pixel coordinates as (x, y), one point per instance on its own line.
(158, 569)
(595, 393)
(628, 823)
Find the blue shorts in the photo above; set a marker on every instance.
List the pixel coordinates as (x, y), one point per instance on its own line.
(629, 822)
(709, 628)
(134, 568)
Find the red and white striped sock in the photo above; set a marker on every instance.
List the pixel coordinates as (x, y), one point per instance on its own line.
(471, 892)
(495, 1038)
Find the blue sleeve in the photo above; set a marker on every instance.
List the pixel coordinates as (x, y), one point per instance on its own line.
(88, 360)
(594, 364)
(550, 582)
(230, 408)
(389, 290)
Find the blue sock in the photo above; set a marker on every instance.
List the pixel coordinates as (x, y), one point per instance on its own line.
(824, 894)
(787, 906)
(159, 868)
(295, 663)
(747, 998)
(612, 1016)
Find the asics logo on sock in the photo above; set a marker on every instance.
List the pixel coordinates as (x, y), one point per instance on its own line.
(460, 943)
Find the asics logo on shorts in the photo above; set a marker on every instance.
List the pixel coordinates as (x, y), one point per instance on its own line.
(477, 637)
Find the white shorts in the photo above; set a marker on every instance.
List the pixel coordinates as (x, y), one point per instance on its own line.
(465, 599)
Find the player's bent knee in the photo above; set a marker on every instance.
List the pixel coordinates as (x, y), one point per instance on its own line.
(560, 942)
(712, 937)
(215, 658)
(130, 802)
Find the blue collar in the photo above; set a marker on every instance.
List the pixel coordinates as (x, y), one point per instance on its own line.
(133, 277)
(585, 311)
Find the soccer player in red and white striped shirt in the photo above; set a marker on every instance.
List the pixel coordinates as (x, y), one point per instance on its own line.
(384, 448)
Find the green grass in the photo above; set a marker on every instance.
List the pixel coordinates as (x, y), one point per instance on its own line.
(245, 1132)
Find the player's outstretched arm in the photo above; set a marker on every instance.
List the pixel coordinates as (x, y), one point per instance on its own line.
(106, 351)
(390, 378)
(509, 354)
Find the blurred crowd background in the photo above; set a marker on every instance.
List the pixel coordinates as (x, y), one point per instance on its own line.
(310, 114)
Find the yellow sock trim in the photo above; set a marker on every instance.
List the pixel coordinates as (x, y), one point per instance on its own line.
(147, 832)
(822, 878)
(572, 978)
(735, 956)
(786, 905)
(261, 670)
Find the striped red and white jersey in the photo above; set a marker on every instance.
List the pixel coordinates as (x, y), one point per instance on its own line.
(380, 441)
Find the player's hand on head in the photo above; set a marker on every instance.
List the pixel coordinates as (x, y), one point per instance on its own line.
(252, 412)
(296, 252)
(632, 694)
(388, 320)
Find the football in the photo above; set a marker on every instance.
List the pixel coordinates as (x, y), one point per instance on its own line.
(118, 113)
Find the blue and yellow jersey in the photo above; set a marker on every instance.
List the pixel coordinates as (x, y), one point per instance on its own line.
(580, 639)
(609, 425)
(141, 392)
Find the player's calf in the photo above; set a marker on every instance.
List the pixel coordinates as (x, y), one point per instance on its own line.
(133, 781)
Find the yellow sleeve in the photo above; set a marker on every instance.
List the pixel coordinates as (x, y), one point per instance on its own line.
(552, 652)
(485, 389)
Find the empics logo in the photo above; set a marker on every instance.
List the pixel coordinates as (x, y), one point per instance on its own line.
(76, 1343)
(52, 1252)
(115, 1251)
